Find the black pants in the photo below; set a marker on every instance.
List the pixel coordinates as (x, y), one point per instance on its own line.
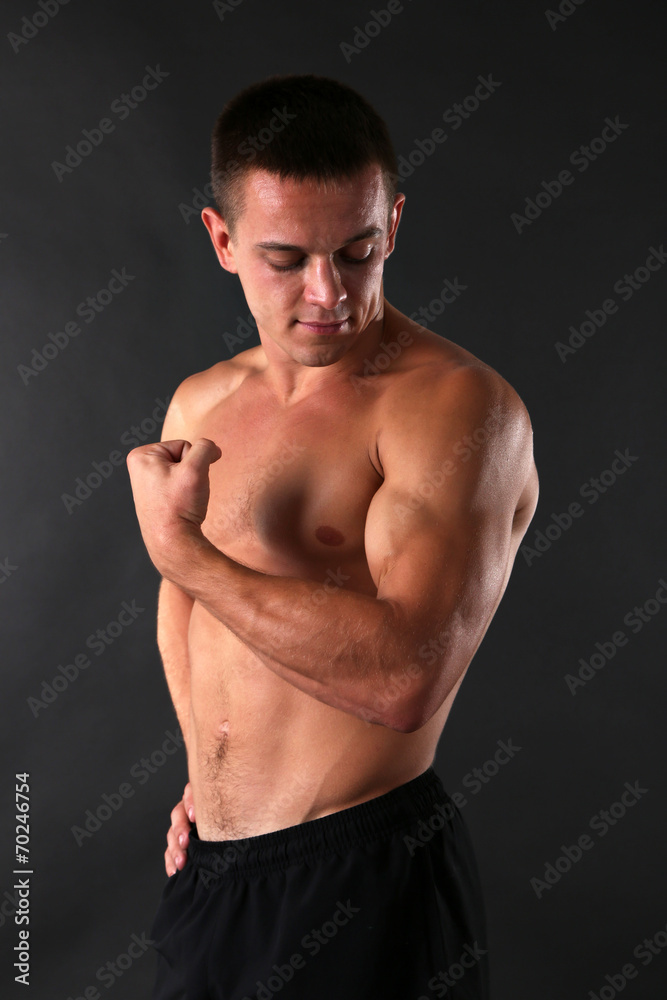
(381, 900)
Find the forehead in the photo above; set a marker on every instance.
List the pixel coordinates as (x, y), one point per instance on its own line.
(282, 208)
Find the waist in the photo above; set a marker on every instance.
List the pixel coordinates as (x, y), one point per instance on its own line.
(235, 800)
(376, 818)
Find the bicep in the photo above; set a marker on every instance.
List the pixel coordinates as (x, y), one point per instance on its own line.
(438, 561)
(439, 530)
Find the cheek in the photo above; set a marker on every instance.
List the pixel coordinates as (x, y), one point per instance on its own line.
(367, 284)
(269, 295)
(261, 282)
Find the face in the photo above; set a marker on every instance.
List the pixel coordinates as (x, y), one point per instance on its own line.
(310, 261)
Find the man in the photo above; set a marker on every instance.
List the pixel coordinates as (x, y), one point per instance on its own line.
(335, 514)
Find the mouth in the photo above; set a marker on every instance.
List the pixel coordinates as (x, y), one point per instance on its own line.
(323, 328)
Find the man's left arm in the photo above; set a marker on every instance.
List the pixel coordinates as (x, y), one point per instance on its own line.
(458, 464)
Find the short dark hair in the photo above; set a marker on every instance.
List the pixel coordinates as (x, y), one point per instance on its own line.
(301, 127)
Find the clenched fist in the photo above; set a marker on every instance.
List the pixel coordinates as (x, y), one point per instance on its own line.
(170, 484)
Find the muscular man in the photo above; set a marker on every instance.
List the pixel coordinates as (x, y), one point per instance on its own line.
(335, 514)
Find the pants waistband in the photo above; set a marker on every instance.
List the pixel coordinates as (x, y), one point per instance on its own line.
(332, 834)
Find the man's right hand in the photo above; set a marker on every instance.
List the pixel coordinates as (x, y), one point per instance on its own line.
(178, 835)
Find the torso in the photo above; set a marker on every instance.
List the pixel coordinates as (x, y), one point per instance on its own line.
(289, 497)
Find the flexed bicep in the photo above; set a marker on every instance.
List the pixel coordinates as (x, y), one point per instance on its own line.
(439, 529)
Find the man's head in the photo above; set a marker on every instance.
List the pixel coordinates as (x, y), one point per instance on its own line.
(301, 128)
(308, 220)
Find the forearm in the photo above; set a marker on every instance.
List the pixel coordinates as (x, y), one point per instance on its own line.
(340, 647)
(173, 619)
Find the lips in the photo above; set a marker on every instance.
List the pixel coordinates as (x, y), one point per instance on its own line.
(323, 328)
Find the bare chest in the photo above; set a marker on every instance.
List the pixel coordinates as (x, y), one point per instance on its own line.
(292, 489)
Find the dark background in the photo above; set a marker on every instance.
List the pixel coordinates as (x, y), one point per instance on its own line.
(67, 573)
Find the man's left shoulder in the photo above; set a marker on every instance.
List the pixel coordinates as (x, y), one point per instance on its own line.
(449, 385)
(438, 370)
(472, 390)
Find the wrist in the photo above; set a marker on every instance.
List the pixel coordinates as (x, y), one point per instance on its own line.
(183, 549)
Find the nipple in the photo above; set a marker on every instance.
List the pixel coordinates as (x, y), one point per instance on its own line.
(329, 536)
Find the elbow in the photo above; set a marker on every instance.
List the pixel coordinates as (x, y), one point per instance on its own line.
(417, 704)
(410, 716)
(414, 706)
(405, 725)
(408, 724)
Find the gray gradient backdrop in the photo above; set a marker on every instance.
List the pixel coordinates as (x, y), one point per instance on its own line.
(67, 566)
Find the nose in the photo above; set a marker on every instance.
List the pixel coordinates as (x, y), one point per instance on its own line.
(323, 285)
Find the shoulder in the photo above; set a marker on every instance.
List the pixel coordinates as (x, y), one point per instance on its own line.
(200, 392)
(437, 377)
(446, 401)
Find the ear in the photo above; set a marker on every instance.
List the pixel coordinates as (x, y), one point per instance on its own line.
(399, 201)
(220, 238)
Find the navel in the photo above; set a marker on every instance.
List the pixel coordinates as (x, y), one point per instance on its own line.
(329, 536)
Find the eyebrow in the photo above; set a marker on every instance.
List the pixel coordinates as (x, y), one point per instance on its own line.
(370, 233)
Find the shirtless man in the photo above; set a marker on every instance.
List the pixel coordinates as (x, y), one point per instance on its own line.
(335, 514)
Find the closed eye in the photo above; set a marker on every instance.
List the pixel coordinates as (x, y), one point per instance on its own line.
(341, 257)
